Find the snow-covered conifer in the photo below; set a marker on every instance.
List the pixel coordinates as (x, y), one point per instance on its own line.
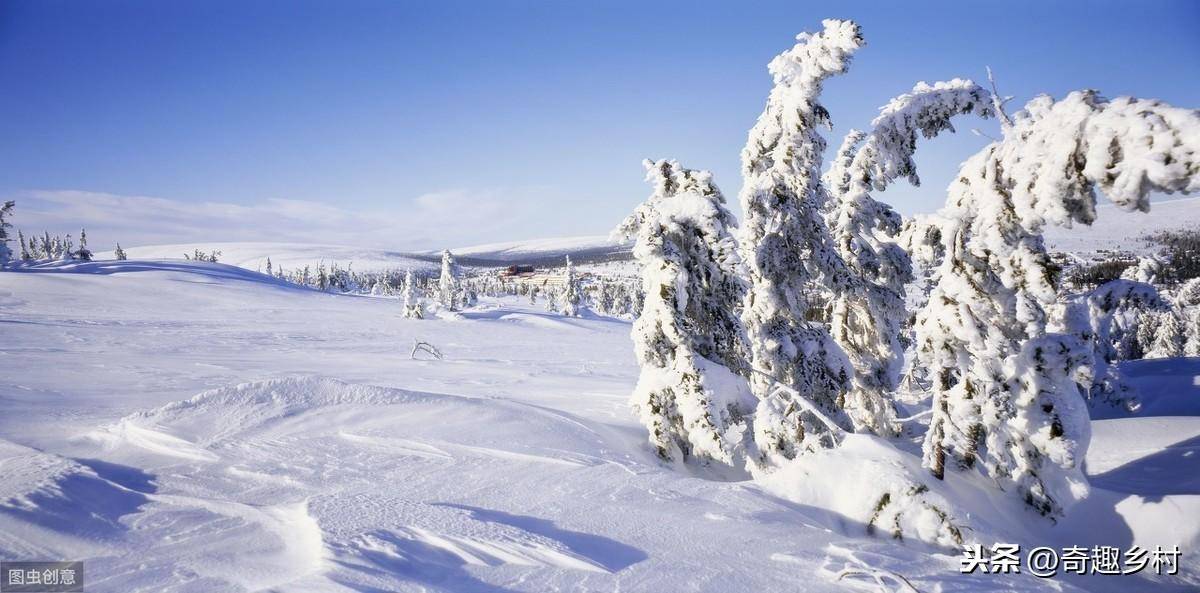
(25, 253)
(1191, 331)
(1106, 319)
(1005, 393)
(448, 282)
(6, 210)
(413, 308)
(867, 315)
(1188, 294)
(1148, 270)
(122, 256)
(83, 253)
(1169, 337)
(688, 338)
(66, 248)
(790, 256)
(571, 296)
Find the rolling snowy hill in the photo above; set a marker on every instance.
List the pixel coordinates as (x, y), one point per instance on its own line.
(186, 426)
(1115, 230)
(253, 255)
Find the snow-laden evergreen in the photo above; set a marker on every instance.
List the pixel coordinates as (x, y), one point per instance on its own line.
(1191, 332)
(1106, 318)
(791, 261)
(1169, 337)
(867, 315)
(83, 253)
(448, 283)
(6, 210)
(1005, 394)
(572, 291)
(26, 255)
(688, 338)
(410, 300)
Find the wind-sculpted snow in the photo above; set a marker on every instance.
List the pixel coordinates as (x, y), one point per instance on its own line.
(179, 431)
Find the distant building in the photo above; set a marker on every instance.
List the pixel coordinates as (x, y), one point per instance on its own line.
(528, 274)
(517, 271)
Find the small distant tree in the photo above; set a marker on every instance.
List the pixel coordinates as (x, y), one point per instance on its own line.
(120, 253)
(83, 253)
(25, 253)
(322, 277)
(65, 248)
(413, 308)
(571, 296)
(448, 282)
(269, 265)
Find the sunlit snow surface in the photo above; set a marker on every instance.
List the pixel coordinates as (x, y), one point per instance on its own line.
(198, 427)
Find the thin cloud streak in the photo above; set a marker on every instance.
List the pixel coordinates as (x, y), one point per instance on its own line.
(428, 221)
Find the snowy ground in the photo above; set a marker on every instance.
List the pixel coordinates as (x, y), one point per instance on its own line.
(197, 427)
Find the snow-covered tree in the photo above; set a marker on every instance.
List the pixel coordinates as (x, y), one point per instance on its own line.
(790, 256)
(1149, 270)
(604, 298)
(867, 315)
(83, 253)
(448, 283)
(6, 210)
(1106, 319)
(1191, 331)
(121, 256)
(26, 255)
(413, 308)
(1169, 337)
(1006, 398)
(571, 294)
(1188, 294)
(551, 294)
(688, 338)
(64, 248)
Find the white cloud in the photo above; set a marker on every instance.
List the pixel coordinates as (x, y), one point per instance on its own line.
(428, 221)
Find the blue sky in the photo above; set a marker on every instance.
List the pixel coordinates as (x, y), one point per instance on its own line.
(423, 124)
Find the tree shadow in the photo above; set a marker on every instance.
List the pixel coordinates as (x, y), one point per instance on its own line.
(1173, 470)
(415, 561)
(609, 553)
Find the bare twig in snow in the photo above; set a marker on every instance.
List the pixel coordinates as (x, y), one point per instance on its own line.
(884, 581)
(426, 347)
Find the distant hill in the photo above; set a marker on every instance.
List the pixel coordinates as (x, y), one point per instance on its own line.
(1115, 230)
(253, 255)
